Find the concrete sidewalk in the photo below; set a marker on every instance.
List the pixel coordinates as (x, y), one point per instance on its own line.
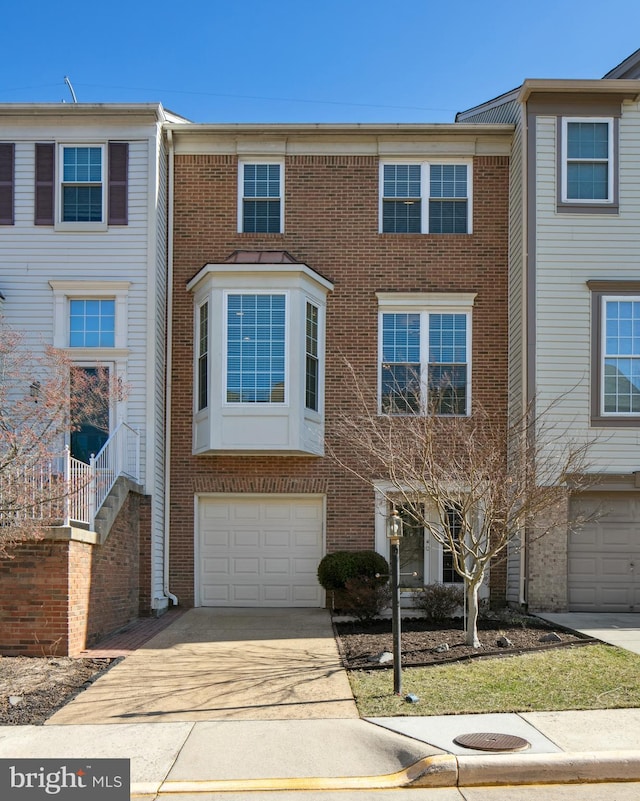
(204, 758)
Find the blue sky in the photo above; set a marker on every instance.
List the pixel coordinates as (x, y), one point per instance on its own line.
(324, 61)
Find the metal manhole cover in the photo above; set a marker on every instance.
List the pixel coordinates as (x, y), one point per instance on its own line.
(489, 741)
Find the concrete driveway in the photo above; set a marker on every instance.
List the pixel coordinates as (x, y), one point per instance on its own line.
(224, 664)
(616, 628)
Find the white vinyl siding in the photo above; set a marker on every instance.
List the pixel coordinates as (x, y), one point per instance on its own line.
(571, 250)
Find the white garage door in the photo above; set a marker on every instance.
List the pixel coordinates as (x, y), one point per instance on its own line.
(259, 551)
(604, 556)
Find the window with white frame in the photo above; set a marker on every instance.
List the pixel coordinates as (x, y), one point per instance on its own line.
(256, 344)
(82, 185)
(615, 357)
(621, 356)
(425, 354)
(92, 322)
(587, 160)
(202, 375)
(261, 197)
(312, 360)
(425, 197)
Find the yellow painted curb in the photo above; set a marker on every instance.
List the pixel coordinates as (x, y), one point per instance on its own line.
(435, 771)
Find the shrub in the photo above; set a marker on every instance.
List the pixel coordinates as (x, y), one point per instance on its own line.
(335, 569)
(365, 597)
(439, 601)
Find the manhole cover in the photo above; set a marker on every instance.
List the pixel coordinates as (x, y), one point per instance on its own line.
(489, 741)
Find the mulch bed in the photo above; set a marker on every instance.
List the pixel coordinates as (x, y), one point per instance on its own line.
(423, 642)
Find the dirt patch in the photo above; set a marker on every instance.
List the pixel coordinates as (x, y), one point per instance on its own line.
(425, 643)
(32, 688)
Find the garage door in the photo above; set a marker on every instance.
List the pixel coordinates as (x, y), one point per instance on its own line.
(604, 556)
(260, 551)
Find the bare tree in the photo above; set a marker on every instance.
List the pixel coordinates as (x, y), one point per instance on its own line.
(475, 484)
(42, 398)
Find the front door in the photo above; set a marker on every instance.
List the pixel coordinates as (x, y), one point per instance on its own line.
(90, 424)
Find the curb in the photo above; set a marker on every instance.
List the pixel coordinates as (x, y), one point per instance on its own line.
(438, 771)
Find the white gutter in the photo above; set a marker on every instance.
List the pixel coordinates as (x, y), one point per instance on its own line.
(169, 361)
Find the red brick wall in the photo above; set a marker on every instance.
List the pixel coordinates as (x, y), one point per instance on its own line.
(57, 597)
(331, 223)
(34, 600)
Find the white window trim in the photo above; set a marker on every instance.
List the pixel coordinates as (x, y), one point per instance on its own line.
(610, 163)
(62, 225)
(425, 303)
(64, 291)
(241, 165)
(603, 353)
(425, 194)
(197, 355)
(287, 312)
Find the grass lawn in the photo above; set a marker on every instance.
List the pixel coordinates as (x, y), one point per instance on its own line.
(587, 677)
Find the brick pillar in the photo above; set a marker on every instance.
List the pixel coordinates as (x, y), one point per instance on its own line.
(547, 559)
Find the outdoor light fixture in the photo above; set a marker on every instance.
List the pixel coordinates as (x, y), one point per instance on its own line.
(34, 390)
(395, 530)
(395, 526)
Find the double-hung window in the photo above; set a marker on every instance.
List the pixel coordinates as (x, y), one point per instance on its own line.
(81, 186)
(425, 197)
(615, 353)
(587, 161)
(312, 360)
(202, 375)
(425, 355)
(261, 197)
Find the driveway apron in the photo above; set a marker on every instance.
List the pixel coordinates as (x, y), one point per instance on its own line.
(224, 664)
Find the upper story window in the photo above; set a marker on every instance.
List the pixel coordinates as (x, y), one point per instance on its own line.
(621, 356)
(256, 348)
(202, 375)
(312, 365)
(587, 161)
(81, 187)
(425, 197)
(7, 182)
(261, 197)
(92, 323)
(615, 381)
(263, 335)
(425, 354)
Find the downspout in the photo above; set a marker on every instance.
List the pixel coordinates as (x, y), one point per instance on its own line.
(168, 366)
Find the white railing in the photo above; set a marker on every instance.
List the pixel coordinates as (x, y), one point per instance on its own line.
(120, 456)
(65, 490)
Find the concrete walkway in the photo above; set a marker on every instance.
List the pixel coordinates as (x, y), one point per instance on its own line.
(224, 664)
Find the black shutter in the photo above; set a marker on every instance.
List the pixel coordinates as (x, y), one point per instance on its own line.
(45, 171)
(7, 179)
(118, 183)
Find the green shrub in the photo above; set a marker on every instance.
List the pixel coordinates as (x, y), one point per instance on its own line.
(440, 601)
(335, 569)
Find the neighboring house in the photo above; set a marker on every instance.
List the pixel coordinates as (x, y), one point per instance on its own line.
(295, 248)
(83, 264)
(574, 309)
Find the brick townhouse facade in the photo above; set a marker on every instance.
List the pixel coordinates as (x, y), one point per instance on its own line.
(323, 235)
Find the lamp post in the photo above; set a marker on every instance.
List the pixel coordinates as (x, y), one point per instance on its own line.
(395, 528)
